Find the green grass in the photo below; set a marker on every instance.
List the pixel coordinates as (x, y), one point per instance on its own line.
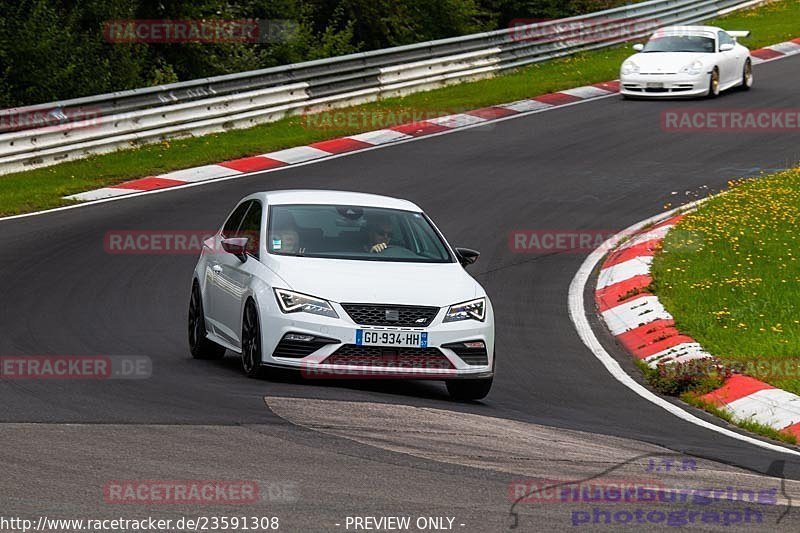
(44, 188)
(730, 274)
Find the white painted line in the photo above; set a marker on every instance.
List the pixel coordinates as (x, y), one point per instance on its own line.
(523, 106)
(577, 312)
(297, 154)
(586, 92)
(756, 60)
(633, 314)
(99, 194)
(772, 407)
(638, 266)
(206, 172)
(456, 121)
(381, 137)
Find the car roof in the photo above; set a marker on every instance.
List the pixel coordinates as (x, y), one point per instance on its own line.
(332, 197)
(690, 30)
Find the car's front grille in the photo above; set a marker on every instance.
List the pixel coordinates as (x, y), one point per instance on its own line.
(404, 316)
(297, 349)
(378, 356)
(476, 356)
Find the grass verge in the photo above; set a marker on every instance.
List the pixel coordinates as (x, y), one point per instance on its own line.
(689, 382)
(730, 272)
(44, 188)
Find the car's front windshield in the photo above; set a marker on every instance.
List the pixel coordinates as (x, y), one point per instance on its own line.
(354, 232)
(680, 43)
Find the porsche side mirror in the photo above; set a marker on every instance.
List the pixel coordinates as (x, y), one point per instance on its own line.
(638, 47)
(727, 47)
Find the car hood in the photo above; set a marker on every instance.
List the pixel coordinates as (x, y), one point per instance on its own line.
(667, 62)
(435, 284)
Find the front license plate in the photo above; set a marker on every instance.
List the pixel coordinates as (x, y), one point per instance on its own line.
(655, 85)
(400, 339)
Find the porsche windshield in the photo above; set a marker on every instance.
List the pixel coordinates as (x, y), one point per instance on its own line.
(680, 43)
(353, 232)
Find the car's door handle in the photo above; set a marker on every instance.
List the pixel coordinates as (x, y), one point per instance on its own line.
(217, 269)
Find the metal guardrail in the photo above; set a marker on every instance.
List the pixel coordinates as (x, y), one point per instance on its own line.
(71, 129)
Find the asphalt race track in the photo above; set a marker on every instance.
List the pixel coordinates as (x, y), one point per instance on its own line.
(601, 165)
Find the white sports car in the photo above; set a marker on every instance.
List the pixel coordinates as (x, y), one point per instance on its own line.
(687, 61)
(341, 285)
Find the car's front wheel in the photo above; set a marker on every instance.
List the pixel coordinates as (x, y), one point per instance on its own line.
(469, 389)
(713, 84)
(747, 75)
(251, 341)
(199, 345)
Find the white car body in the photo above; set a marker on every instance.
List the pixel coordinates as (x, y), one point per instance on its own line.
(652, 73)
(227, 282)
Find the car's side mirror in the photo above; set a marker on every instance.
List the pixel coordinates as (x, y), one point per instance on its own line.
(467, 256)
(236, 246)
(727, 47)
(638, 47)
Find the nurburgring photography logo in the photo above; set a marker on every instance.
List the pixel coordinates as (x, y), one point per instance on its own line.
(607, 500)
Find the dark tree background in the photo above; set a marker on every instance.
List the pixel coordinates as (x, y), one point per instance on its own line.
(56, 49)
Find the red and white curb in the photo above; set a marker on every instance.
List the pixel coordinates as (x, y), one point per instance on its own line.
(645, 329)
(352, 143)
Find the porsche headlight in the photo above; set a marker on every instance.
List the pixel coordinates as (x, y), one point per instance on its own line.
(295, 302)
(695, 68)
(471, 310)
(629, 67)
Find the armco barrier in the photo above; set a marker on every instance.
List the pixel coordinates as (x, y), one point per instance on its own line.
(61, 131)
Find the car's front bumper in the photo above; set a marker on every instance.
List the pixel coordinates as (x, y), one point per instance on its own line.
(664, 85)
(437, 361)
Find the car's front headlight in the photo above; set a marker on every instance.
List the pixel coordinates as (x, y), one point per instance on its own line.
(295, 302)
(629, 67)
(471, 310)
(695, 68)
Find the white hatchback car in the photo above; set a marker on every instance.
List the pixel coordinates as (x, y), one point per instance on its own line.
(342, 285)
(685, 61)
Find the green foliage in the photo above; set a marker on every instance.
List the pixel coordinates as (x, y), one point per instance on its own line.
(54, 49)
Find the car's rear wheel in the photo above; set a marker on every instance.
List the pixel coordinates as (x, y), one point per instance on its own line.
(713, 84)
(469, 389)
(199, 345)
(251, 341)
(747, 75)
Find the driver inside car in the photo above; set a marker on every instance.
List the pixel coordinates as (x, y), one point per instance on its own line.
(380, 233)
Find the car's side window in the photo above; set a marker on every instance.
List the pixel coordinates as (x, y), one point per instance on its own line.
(251, 228)
(724, 38)
(235, 220)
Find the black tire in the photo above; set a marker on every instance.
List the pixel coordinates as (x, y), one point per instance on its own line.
(251, 341)
(713, 83)
(199, 345)
(469, 389)
(747, 75)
